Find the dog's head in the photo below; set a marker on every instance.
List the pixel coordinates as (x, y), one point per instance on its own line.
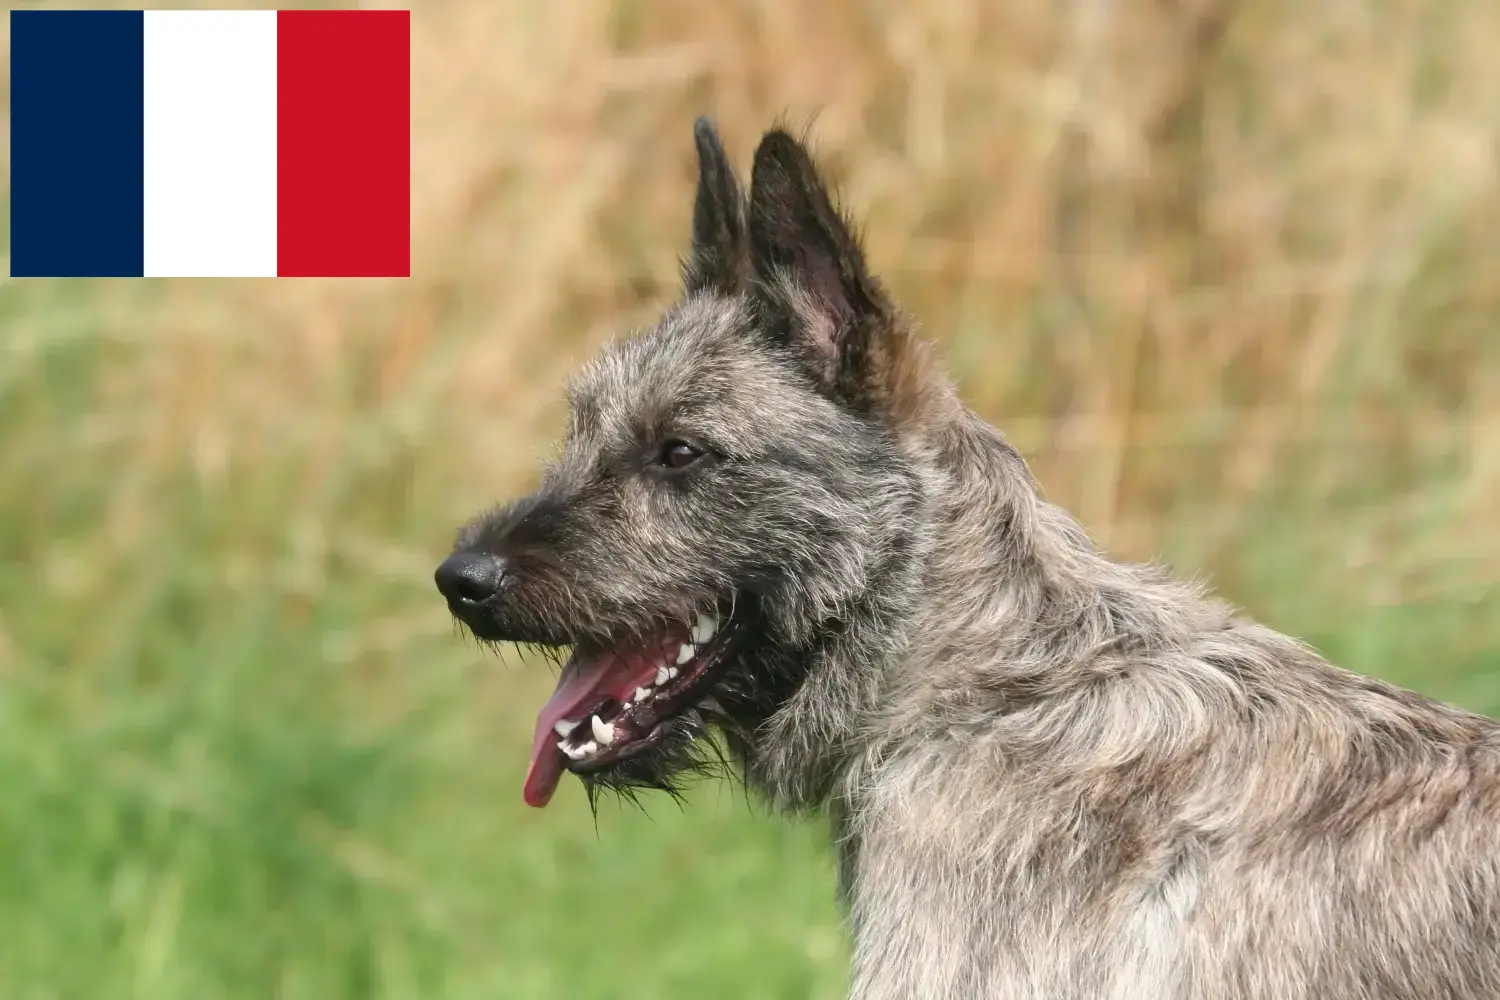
(730, 489)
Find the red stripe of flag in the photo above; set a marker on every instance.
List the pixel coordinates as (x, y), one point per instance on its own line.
(343, 136)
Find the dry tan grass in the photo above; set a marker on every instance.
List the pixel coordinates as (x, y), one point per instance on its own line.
(1229, 273)
(1196, 256)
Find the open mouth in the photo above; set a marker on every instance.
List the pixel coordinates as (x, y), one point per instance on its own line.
(614, 700)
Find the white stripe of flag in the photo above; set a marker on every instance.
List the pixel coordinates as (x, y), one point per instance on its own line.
(210, 143)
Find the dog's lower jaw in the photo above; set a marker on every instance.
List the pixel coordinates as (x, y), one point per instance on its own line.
(750, 722)
(709, 732)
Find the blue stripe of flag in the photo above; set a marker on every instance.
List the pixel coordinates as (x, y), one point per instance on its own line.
(77, 143)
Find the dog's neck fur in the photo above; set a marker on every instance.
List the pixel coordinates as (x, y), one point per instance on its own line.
(1048, 628)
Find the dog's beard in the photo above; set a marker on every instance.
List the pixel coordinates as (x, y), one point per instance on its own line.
(691, 743)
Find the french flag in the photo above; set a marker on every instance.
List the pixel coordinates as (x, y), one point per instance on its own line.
(191, 143)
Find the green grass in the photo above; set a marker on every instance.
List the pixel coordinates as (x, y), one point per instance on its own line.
(242, 759)
(244, 753)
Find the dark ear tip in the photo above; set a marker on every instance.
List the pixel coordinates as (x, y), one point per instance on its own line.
(781, 147)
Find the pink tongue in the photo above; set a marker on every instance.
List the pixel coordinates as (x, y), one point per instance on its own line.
(585, 682)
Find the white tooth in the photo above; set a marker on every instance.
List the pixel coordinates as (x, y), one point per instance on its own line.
(575, 753)
(564, 727)
(704, 629)
(641, 694)
(687, 652)
(662, 676)
(587, 750)
(604, 732)
(671, 672)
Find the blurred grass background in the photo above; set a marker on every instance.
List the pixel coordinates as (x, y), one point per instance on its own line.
(1229, 273)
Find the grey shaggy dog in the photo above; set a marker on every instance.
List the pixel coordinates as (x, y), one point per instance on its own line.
(775, 535)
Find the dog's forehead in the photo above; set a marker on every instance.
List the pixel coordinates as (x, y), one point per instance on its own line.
(701, 353)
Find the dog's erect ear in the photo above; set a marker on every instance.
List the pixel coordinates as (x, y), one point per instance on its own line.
(719, 258)
(807, 262)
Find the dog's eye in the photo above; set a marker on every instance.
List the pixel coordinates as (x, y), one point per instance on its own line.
(679, 455)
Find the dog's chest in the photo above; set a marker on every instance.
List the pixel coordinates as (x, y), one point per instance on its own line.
(955, 898)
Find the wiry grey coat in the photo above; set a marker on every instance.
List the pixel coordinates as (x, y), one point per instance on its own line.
(1052, 776)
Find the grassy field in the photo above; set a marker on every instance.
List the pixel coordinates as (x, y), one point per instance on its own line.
(1229, 274)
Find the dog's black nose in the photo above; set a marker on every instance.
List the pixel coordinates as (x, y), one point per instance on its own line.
(468, 579)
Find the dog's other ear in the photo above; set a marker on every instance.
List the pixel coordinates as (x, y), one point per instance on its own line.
(719, 258)
(807, 262)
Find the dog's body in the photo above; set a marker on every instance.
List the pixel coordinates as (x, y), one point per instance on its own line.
(1086, 781)
(1051, 776)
